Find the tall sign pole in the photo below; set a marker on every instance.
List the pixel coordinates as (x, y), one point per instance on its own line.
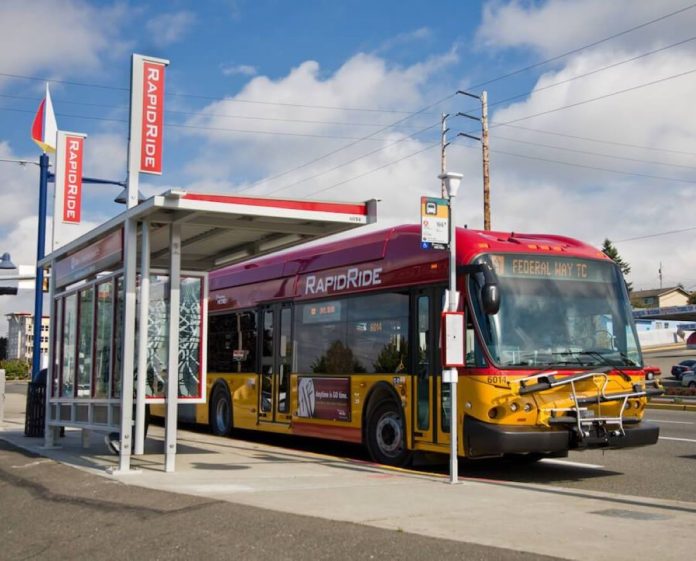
(43, 132)
(40, 254)
(144, 156)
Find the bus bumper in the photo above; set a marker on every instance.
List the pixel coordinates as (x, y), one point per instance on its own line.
(486, 439)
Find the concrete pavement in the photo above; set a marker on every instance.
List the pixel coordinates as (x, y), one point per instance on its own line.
(539, 519)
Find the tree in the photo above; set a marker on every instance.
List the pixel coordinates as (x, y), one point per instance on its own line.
(612, 253)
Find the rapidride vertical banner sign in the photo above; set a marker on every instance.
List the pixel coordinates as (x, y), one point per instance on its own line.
(152, 117)
(68, 194)
(146, 134)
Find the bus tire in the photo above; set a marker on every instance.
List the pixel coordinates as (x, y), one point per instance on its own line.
(386, 435)
(220, 414)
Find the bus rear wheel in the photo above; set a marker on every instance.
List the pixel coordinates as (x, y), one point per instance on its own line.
(386, 435)
(220, 418)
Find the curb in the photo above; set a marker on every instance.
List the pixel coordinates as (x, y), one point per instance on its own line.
(672, 406)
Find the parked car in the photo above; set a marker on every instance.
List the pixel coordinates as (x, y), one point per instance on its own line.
(652, 372)
(679, 369)
(689, 379)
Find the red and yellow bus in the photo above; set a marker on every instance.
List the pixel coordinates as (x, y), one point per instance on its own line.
(342, 341)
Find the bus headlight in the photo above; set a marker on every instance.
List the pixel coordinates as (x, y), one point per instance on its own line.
(514, 407)
(527, 407)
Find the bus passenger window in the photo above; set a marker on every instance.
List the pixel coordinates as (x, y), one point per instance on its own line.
(232, 342)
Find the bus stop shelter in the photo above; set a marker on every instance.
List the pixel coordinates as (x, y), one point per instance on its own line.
(129, 304)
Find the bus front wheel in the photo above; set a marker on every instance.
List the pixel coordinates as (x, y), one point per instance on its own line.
(386, 435)
(220, 411)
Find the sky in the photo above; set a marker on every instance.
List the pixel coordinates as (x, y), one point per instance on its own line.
(592, 130)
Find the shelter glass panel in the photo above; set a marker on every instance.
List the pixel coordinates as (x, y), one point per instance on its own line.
(102, 358)
(69, 344)
(118, 338)
(85, 337)
(191, 294)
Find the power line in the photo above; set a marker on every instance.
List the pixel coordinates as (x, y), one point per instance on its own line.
(198, 113)
(215, 129)
(599, 140)
(605, 96)
(657, 235)
(348, 162)
(590, 153)
(578, 49)
(647, 176)
(596, 168)
(590, 73)
(209, 98)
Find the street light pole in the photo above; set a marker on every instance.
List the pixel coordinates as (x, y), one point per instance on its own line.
(452, 181)
(40, 254)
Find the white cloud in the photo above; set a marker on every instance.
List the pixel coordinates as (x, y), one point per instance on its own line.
(166, 29)
(238, 69)
(364, 81)
(406, 38)
(551, 28)
(57, 37)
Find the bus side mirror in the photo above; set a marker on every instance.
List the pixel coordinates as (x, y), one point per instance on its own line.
(490, 298)
(490, 293)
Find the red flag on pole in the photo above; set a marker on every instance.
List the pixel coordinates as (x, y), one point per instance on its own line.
(44, 127)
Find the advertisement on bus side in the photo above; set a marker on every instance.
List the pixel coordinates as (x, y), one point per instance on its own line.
(324, 398)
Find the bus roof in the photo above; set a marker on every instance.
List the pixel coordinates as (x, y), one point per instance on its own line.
(399, 246)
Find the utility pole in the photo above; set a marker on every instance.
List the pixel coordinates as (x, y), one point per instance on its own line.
(659, 271)
(486, 163)
(443, 156)
(483, 98)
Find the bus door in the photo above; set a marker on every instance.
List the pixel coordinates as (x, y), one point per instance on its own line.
(276, 364)
(427, 366)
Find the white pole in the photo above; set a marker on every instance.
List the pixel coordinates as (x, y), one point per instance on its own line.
(128, 346)
(173, 358)
(451, 375)
(142, 338)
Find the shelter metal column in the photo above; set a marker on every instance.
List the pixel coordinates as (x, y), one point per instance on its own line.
(142, 337)
(51, 432)
(173, 355)
(128, 350)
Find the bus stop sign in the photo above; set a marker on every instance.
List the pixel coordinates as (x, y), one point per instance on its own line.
(434, 223)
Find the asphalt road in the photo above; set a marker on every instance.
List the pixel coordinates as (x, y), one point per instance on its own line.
(51, 511)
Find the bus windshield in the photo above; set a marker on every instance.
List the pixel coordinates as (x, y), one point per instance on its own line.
(557, 312)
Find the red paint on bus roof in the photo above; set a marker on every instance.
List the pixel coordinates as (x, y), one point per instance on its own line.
(396, 252)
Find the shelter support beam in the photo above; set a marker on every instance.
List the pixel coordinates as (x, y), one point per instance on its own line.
(128, 338)
(142, 338)
(173, 355)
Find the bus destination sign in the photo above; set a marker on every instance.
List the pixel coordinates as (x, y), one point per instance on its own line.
(548, 267)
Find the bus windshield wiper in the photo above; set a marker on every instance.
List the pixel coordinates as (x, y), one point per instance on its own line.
(604, 360)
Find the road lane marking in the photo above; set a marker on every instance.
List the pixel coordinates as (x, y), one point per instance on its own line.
(672, 422)
(677, 439)
(569, 463)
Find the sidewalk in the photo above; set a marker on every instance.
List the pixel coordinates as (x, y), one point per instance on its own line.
(571, 524)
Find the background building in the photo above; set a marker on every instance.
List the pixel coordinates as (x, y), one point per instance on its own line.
(20, 336)
(660, 297)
